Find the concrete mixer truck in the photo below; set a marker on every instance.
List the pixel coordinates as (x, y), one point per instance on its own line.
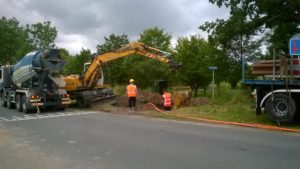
(34, 82)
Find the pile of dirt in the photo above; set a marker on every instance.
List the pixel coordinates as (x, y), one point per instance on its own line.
(143, 98)
(120, 104)
(180, 99)
(121, 101)
(155, 98)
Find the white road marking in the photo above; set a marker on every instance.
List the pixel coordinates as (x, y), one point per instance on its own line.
(44, 116)
(16, 118)
(28, 117)
(52, 115)
(41, 116)
(2, 118)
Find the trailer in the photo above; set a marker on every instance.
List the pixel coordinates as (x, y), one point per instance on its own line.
(34, 82)
(277, 92)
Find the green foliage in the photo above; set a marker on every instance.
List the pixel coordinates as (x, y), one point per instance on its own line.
(74, 64)
(17, 40)
(156, 38)
(146, 70)
(112, 43)
(68, 61)
(234, 73)
(277, 20)
(13, 41)
(237, 38)
(42, 35)
(195, 55)
(115, 72)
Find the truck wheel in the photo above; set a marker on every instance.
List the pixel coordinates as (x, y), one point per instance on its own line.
(10, 105)
(61, 109)
(24, 104)
(3, 102)
(18, 103)
(281, 108)
(81, 102)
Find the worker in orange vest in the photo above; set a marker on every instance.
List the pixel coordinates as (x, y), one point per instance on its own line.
(131, 92)
(167, 100)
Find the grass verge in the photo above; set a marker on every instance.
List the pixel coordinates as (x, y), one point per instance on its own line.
(233, 105)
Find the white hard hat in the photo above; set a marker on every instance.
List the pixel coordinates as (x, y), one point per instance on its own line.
(131, 80)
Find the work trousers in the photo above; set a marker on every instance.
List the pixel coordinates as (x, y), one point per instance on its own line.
(167, 107)
(132, 101)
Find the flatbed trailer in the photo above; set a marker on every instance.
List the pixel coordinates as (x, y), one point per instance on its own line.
(278, 93)
(280, 99)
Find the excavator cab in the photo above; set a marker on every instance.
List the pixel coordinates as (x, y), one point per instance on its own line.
(160, 86)
(86, 66)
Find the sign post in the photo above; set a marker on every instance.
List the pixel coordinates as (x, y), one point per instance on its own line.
(213, 68)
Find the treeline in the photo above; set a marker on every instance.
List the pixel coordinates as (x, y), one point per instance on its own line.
(16, 40)
(194, 53)
(253, 26)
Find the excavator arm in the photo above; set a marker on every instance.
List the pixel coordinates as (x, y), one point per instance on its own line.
(93, 73)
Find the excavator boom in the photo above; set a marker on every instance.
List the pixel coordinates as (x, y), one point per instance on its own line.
(92, 74)
(89, 87)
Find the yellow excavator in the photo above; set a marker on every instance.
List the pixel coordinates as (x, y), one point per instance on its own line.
(89, 87)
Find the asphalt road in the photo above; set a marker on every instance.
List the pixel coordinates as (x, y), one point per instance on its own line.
(78, 139)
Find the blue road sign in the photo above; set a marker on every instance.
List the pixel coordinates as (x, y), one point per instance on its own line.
(295, 45)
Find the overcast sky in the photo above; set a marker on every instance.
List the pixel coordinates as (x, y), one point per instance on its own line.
(84, 23)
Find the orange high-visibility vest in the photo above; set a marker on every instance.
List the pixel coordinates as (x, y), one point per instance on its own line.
(131, 90)
(167, 99)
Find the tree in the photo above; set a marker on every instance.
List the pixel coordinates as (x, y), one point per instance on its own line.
(42, 35)
(64, 53)
(146, 70)
(278, 20)
(112, 43)
(195, 55)
(114, 72)
(74, 64)
(238, 38)
(13, 41)
(156, 38)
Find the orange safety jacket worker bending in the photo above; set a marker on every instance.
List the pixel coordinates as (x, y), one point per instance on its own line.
(131, 90)
(167, 99)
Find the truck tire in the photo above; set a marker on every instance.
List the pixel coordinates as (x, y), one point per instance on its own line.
(281, 108)
(82, 103)
(19, 103)
(3, 102)
(61, 108)
(24, 104)
(10, 104)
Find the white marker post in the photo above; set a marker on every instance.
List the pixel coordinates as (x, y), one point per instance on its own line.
(213, 68)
